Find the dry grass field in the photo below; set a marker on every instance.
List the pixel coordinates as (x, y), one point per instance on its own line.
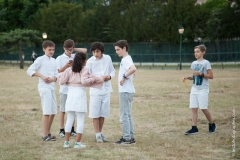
(160, 113)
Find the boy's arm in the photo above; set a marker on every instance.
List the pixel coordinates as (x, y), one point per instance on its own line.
(112, 72)
(88, 79)
(69, 64)
(131, 70)
(59, 66)
(84, 50)
(209, 74)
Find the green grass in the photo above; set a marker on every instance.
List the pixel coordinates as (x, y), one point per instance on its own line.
(160, 113)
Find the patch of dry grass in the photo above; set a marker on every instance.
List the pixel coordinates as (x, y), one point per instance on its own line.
(160, 113)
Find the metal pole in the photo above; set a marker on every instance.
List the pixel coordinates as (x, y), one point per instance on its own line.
(180, 52)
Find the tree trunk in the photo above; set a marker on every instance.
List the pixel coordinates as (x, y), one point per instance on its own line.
(21, 55)
(21, 64)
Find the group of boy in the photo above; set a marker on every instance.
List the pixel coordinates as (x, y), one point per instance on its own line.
(46, 68)
(99, 107)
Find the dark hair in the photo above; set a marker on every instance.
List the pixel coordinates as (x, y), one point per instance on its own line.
(97, 45)
(121, 44)
(68, 43)
(201, 47)
(48, 43)
(79, 61)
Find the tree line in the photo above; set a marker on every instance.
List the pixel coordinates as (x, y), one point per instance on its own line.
(134, 20)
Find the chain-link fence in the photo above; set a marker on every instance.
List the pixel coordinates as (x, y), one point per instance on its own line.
(223, 51)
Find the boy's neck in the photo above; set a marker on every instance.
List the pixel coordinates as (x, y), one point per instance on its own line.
(125, 54)
(48, 56)
(200, 59)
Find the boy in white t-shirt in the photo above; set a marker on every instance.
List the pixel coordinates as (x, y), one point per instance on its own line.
(45, 68)
(126, 92)
(63, 62)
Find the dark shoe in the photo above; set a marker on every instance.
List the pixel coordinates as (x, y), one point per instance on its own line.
(192, 131)
(62, 134)
(133, 141)
(123, 141)
(73, 133)
(212, 128)
(46, 138)
(52, 138)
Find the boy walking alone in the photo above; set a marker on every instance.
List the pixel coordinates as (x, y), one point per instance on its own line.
(126, 92)
(47, 72)
(202, 71)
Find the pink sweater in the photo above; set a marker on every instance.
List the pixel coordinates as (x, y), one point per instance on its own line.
(82, 79)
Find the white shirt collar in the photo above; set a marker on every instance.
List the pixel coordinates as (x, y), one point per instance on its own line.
(103, 55)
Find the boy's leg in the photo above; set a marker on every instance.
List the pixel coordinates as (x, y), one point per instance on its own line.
(125, 105)
(50, 120)
(130, 118)
(208, 115)
(49, 106)
(63, 98)
(94, 113)
(96, 126)
(45, 125)
(194, 116)
(101, 122)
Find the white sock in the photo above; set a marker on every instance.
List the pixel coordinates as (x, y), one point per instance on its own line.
(98, 134)
(78, 143)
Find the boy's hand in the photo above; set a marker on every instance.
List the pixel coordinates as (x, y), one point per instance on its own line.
(48, 79)
(184, 79)
(69, 64)
(196, 73)
(106, 78)
(122, 81)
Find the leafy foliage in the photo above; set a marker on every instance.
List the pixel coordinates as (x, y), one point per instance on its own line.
(134, 20)
(14, 41)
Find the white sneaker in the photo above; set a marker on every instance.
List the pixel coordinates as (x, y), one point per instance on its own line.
(104, 139)
(79, 145)
(66, 144)
(99, 139)
(61, 134)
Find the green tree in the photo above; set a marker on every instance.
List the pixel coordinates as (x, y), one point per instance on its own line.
(16, 40)
(60, 21)
(2, 13)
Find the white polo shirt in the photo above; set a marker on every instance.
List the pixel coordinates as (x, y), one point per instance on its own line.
(62, 60)
(101, 67)
(46, 66)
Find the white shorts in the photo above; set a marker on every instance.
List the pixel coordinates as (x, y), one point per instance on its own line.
(63, 99)
(199, 98)
(48, 100)
(99, 106)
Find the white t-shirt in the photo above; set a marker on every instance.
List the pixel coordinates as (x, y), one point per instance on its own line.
(46, 66)
(127, 86)
(62, 60)
(101, 67)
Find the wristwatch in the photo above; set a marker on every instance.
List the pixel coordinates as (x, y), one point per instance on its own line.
(124, 76)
